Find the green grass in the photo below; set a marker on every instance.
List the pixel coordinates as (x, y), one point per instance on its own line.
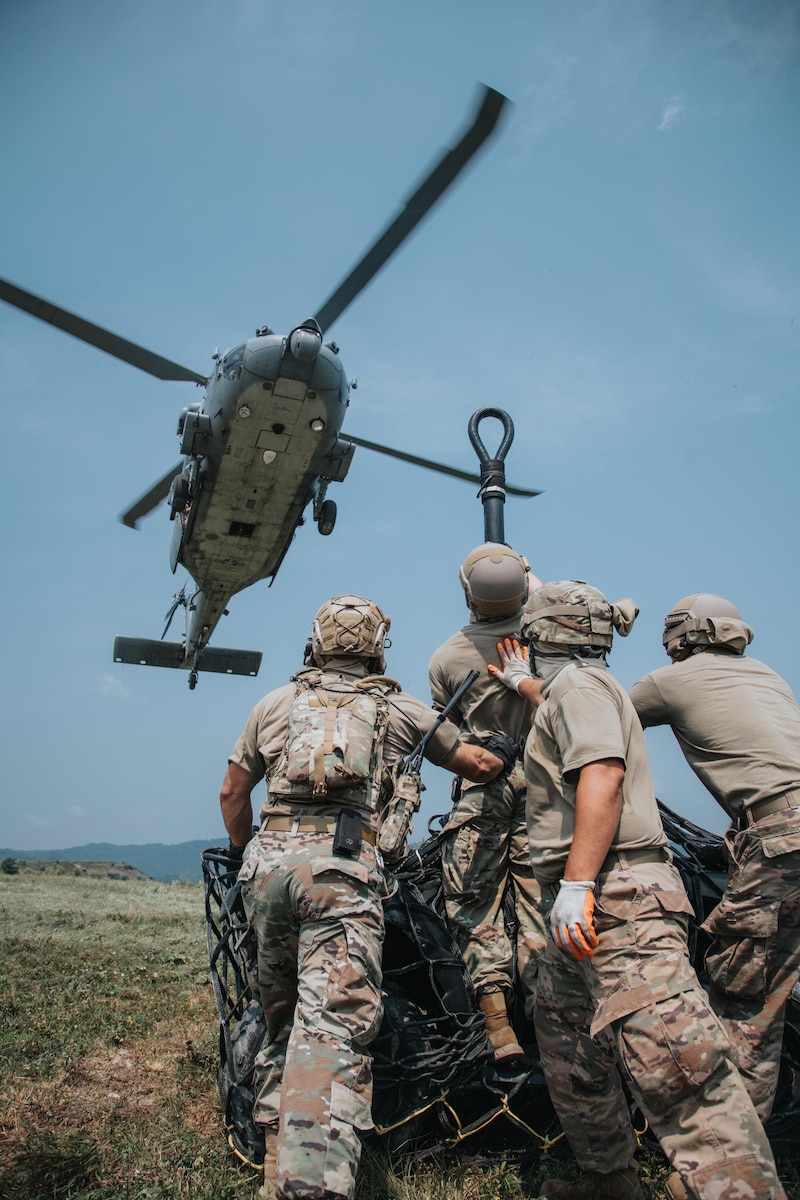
(108, 1057)
(108, 1045)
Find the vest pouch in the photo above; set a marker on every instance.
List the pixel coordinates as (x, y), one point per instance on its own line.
(396, 824)
(330, 739)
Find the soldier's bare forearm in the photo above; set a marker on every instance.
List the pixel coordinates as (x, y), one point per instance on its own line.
(598, 802)
(235, 803)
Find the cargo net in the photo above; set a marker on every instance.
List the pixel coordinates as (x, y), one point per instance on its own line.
(436, 1085)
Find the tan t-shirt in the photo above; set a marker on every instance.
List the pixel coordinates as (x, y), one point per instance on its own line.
(261, 744)
(488, 706)
(586, 716)
(736, 721)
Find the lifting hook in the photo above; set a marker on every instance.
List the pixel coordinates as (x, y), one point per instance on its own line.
(492, 492)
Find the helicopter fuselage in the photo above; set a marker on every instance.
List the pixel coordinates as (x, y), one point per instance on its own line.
(262, 445)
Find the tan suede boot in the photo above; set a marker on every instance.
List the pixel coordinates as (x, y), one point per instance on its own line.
(675, 1187)
(616, 1185)
(498, 1029)
(267, 1189)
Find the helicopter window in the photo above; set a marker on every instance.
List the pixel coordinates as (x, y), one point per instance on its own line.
(241, 529)
(232, 363)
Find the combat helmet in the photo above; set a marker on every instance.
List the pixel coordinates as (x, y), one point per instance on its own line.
(349, 626)
(495, 580)
(571, 617)
(703, 620)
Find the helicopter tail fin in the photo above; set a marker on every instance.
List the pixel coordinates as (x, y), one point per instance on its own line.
(150, 652)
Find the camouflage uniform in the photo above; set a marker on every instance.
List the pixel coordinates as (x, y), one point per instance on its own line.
(739, 728)
(486, 844)
(636, 1007)
(318, 921)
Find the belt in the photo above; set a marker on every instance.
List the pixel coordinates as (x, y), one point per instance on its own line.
(313, 824)
(629, 858)
(763, 808)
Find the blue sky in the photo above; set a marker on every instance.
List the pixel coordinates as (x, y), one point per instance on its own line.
(618, 270)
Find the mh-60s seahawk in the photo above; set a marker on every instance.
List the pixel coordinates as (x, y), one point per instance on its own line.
(265, 441)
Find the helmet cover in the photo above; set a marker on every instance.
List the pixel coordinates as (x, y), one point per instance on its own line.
(351, 626)
(704, 620)
(569, 612)
(495, 580)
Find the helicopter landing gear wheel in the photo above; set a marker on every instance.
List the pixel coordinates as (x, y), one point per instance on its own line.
(192, 680)
(178, 497)
(327, 517)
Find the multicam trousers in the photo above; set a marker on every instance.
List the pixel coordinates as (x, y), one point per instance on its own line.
(484, 848)
(636, 1009)
(318, 921)
(754, 960)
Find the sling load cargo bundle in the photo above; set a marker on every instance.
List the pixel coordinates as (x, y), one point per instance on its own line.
(436, 1085)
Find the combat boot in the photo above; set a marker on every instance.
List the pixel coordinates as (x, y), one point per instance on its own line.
(594, 1185)
(675, 1187)
(267, 1189)
(498, 1029)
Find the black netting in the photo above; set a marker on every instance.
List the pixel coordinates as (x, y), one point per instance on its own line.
(241, 1020)
(436, 1083)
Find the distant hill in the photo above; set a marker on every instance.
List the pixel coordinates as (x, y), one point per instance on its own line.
(154, 859)
(96, 870)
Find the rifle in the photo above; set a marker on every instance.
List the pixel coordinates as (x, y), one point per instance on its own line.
(408, 785)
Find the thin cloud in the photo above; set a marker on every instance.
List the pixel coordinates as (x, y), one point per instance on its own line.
(109, 685)
(673, 113)
(551, 96)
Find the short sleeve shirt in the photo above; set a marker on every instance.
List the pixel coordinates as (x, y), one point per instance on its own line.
(586, 716)
(736, 722)
(488, 707)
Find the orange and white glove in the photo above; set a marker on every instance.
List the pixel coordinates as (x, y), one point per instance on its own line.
(514, 665)
(571, 920)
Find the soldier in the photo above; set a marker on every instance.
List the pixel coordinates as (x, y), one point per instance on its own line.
(616, 990)
(485, 845)
(314, 886)
(738, 725)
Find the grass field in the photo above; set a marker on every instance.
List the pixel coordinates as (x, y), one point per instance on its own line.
(109, 1053)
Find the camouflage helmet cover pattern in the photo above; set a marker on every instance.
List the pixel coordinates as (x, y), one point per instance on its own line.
(495, 580)
(350, 626)
(702, 620)
(569, 612)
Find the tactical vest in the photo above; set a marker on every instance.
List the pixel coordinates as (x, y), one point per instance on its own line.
(334, 742)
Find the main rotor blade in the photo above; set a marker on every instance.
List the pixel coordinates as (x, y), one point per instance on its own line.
(432, 187)
(111, 343)
(429, 465)
(147, 502)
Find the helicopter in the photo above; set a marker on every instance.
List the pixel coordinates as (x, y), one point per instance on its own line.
(265, 441)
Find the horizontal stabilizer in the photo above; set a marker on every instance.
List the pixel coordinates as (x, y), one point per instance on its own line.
(149, 652)
(230, 662)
